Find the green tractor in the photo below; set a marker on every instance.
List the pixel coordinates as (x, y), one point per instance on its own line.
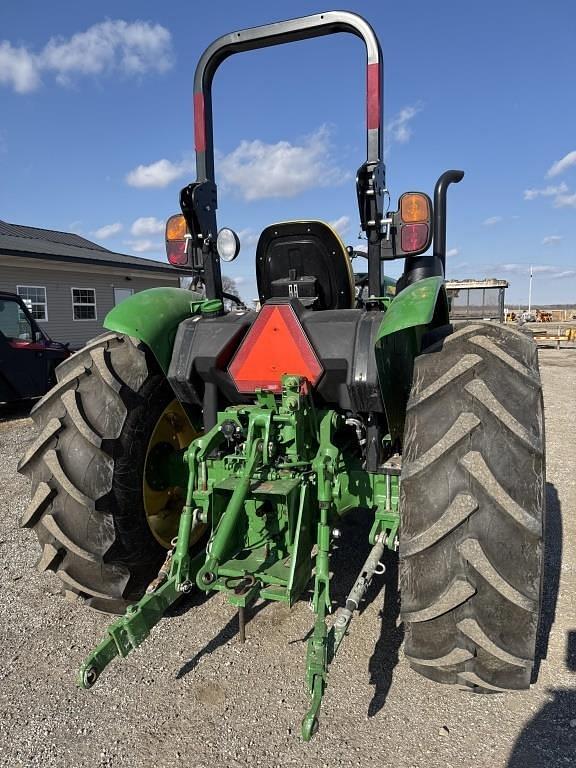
(190, 447)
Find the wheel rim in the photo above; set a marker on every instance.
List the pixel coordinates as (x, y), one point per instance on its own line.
(164, 507)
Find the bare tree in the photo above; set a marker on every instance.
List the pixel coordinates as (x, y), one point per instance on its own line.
(228, 286)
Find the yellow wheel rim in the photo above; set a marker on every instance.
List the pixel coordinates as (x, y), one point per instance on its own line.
(164, 507)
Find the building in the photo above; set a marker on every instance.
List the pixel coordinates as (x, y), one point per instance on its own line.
(70, 283)
(476, 299)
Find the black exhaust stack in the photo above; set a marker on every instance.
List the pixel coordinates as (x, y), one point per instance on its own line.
(419, 267)
(440, 194)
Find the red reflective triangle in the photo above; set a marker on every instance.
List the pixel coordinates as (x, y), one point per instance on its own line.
(275, 345)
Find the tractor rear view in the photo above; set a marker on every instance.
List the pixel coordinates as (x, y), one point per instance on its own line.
(191, 447)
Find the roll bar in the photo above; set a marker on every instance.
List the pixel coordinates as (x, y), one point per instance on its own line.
(317, 25)
(199, 200)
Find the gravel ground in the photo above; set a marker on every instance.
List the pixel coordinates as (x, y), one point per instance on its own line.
(193, 696)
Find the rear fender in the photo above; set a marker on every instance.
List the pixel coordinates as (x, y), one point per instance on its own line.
(153, 317)
(418, 308)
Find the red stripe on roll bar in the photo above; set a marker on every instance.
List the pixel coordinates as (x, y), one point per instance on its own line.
(199, 125)
(373, 96)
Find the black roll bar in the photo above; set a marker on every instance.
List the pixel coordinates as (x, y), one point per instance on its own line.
(317, 25)
(199, 200)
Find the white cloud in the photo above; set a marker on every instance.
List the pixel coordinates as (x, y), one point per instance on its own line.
(158, 174)
(550, 191)
(563, 198)
(399, 128)
(491, 220)
(546, 270)
(144, 246)
(108, 230)
(18, 68)
(341, 225)
(562, 165)
(452, 252)
(130, 48)
(111, 46)
(256, 170)
(239, 280)
(147, 225)
(248, 238)
(565, 201)
(551, 239)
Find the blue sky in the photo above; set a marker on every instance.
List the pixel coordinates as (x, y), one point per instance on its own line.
(96, 125)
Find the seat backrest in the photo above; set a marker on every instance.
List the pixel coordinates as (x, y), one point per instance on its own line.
(305, 260)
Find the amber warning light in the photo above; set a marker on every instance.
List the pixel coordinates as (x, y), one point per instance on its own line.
(275, 345)
(177, 239)
(416, 214)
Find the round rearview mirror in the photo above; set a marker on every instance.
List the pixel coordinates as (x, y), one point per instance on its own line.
(227, 244)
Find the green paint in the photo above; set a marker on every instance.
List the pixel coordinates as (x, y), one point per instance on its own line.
(153, 316)
(130, 630)
(412, 307)
(386, 498)
(398, 343)
(271, 480)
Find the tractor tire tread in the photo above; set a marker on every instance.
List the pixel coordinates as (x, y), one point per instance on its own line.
(472, 509)
(71, 465)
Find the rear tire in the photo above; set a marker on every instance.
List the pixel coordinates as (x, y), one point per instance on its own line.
(86, 465)
(472, 510)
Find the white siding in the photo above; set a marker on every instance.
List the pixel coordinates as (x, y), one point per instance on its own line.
(58, 282)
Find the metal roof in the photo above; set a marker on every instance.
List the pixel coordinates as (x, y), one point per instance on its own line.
(51, 245)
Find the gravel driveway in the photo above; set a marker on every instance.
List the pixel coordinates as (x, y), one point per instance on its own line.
(193, 696)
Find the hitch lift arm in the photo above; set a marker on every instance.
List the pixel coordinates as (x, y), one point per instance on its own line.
(325, 492)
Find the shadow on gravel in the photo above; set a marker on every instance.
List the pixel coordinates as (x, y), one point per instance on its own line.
(551, 574)
(346, 563)
(549, 739)
(348, 556)
(347, 559)
(18, 410)
(225, 635)
(385, 656)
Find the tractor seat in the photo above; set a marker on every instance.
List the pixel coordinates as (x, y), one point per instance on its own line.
(306, 260)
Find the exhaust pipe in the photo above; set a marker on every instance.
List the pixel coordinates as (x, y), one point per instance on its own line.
(440, 194)
(419, 267)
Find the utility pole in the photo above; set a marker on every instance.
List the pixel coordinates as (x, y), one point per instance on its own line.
(530, 291)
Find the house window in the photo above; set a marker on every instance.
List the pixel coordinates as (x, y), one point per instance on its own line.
(34, 296)
(83, 304)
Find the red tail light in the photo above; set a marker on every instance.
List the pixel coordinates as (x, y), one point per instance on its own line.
(275, 345)
(177, 253)
(177, 238)
(415, 209)
(414, 237)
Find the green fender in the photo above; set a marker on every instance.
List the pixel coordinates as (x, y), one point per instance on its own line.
(411, 313)
(153, 316)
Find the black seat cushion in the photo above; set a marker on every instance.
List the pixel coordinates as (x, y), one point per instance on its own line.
(304, 260)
